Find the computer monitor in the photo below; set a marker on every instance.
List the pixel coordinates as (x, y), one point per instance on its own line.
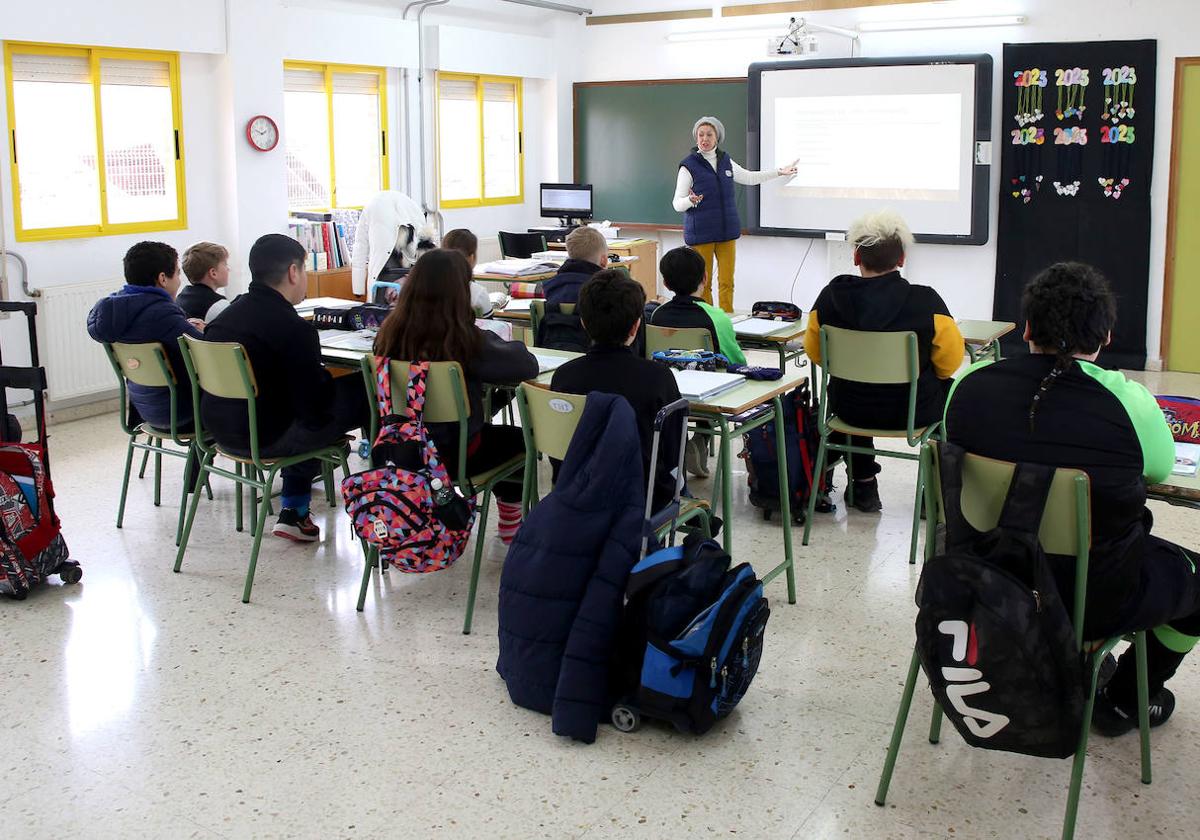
(566, 201)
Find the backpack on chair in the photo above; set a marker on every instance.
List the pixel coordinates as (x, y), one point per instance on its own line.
(993, 635)
(560, 330)
(405, 505)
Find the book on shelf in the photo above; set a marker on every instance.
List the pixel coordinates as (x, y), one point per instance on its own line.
(324, 239)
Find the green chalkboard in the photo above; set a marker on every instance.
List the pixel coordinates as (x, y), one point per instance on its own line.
(630, 137)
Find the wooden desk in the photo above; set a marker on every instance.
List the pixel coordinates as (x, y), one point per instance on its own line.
(983, 337)
(778, 341)
(644, 269)
(1177, 490)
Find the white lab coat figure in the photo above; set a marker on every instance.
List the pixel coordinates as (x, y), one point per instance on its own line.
(391, 221)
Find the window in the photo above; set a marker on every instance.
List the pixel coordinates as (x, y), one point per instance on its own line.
(94, 141)
(480, 156)
(334, 134)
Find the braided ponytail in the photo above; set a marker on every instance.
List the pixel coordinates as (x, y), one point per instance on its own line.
(1068, 307)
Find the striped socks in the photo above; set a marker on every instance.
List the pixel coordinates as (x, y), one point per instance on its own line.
(510, 520)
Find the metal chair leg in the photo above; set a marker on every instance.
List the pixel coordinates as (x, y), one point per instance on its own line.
(258, 535)
(889, 764)
(191, 517)
(479, 540)
(818, 470)
(125, 481)
(1143, 695)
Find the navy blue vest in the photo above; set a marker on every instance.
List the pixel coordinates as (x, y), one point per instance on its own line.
(715, 219)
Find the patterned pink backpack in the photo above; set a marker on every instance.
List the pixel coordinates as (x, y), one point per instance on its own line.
(392, 505)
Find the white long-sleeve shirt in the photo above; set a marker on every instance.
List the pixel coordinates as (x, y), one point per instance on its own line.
(378, 234)
(683, 184)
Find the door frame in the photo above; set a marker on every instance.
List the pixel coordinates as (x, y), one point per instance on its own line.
(1181, 64)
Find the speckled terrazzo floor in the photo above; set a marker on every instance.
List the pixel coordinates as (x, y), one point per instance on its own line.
(147, 704)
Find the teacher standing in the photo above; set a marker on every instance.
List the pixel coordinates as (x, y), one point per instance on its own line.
(704, 194)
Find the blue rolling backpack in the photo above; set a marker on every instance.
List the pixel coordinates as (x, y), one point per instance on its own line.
(691, 637)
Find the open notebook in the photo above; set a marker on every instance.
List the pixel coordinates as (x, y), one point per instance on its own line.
(361, 340)
(700, 385)
(547, 363)
(761, 326)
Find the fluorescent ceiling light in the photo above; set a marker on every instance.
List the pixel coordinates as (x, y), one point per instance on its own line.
(725, 34)
(940, 23)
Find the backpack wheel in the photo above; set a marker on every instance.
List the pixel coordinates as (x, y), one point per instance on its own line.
(766, 514)
(70, 573)
(625, 719)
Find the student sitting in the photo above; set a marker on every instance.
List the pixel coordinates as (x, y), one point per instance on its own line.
(300, 406)
(145, 310)
(207, 268)
(587, 253)
(611, 305)
(1058, 408)
(467, 244)
(682, 271)
(883, 301)
(432, 321)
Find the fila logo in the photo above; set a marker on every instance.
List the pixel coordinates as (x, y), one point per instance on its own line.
(964, 682)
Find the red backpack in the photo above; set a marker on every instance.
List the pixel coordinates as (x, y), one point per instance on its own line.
(393, 506)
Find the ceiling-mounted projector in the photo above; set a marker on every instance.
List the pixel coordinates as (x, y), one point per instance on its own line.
(798, 40)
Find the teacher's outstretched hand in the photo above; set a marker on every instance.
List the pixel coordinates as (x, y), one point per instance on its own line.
(704, 195)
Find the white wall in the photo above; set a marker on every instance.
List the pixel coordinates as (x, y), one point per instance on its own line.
(231, 69)
(964, 275)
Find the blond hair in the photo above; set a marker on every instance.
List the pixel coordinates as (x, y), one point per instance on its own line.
(585, 243)
(881, 239)
(201, 258)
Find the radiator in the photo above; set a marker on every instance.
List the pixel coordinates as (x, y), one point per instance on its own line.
(75, 365)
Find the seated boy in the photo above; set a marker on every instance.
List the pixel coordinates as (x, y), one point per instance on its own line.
(587, 253)
(145, 310)
(880, 300)
(611, 305)
(682, 271)
(467, 244)
(300, 406)
(1056, 407)
(207, 268)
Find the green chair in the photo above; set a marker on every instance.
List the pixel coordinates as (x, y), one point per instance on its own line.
(877, 358)
(1065, 530)
(146, 364)
(549, 420)
(222, 369)
(671, 338)
(446, 401)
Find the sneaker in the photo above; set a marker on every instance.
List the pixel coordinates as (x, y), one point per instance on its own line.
(1111, 720)
(291, 526)
(866, 496)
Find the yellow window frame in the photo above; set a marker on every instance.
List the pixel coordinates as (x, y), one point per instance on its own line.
(328, 70)
(94, 56)
(483, 200)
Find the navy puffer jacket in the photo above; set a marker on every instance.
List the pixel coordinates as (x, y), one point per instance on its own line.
(563, 584)
(138, 314)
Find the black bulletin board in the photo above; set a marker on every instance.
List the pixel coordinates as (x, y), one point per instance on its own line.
(1061, 199)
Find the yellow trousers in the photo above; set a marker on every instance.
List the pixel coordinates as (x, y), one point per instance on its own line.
(726, 256)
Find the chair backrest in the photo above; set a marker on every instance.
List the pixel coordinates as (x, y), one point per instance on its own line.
(876, 358)
(521, 245)
(221, 368)
(537, 311)
(550, 418)
(144, 364)
(446, 399)
(985, 484)
(1066, 526)
(676, 338)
